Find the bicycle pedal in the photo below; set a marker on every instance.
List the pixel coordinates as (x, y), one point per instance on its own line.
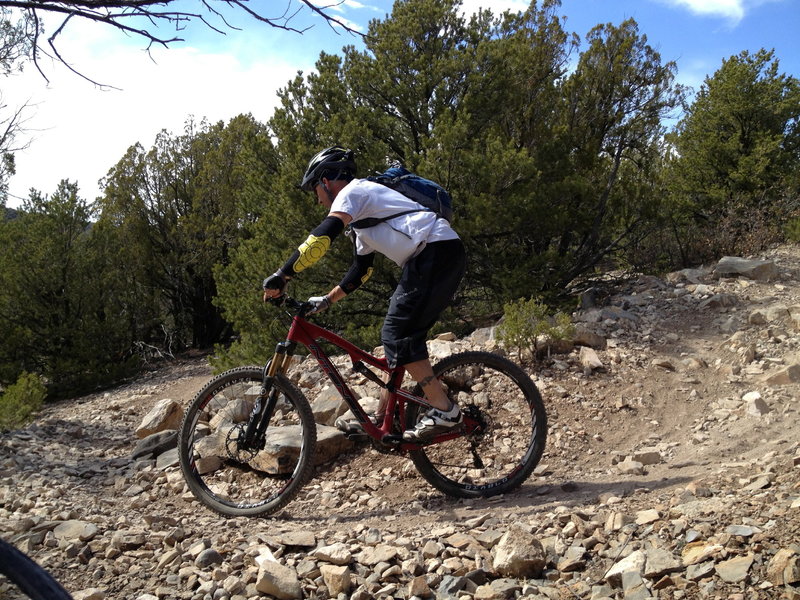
(392, 439)
(356, 436)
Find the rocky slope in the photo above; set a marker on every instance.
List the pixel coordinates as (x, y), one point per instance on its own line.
(672, 471)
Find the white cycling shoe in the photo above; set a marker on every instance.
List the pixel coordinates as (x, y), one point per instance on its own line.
(435, 422)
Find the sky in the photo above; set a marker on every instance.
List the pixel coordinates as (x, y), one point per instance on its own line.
(76, 130)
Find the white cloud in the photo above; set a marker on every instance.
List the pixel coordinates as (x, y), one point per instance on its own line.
(357, 5)
(81, 131)
(732, 10)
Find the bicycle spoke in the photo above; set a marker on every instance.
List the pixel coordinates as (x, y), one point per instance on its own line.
(499, 454)
(230, 475)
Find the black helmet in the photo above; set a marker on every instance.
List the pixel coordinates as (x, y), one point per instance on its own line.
(332, 162)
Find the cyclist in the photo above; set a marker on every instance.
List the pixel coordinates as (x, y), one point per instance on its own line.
(423, 244)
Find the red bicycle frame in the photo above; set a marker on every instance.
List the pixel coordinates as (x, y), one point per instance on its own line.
(307, 334)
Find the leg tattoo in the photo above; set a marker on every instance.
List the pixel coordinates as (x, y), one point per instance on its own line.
(426, 380)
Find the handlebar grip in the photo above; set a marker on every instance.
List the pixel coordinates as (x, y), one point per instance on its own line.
(278, 300)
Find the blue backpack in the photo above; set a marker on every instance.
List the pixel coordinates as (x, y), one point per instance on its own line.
(428, 193)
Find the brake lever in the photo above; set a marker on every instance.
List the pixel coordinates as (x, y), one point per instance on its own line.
(278, 300)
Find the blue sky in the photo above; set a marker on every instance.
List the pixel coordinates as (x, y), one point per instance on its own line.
(79, 132)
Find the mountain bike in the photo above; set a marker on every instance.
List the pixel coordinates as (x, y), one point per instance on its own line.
(247, 441)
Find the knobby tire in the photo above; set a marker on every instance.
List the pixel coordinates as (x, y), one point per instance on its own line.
(29, 577)
(249, 483)
(503, 455)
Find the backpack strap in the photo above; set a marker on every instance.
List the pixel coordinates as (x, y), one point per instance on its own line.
(372, 221)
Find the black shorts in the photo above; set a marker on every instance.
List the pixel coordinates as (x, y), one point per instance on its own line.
(427, 286)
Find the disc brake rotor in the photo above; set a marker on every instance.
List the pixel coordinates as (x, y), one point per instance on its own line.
(234, 448)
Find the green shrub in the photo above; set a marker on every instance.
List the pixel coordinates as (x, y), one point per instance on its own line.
(792, 230)
(528, 323)
(20, 401)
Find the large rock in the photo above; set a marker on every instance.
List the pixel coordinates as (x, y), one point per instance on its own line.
(166, 414)
(337, 579)
(519, 554)
(74, 530)
(283, 448)
(278, 580)
(690, 275)
(155, 443)
(590, 360)
(439, 349)
(586, 337)
(785, 376)
(633, 563)
(328, 406)
(759, 270)
(783, 563)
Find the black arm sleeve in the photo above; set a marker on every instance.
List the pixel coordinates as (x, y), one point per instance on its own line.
(315, 246)
(359, 272)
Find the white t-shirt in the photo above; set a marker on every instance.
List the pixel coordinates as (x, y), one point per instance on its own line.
(398, 239)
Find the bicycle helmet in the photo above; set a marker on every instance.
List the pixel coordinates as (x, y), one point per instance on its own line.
(332, 162)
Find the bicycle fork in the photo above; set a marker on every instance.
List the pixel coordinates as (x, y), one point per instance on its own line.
(254, 437)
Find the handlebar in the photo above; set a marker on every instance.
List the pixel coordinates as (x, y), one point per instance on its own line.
(300, 308)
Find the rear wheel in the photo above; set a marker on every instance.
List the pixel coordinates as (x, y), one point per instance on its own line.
(225, 475)
(502, 451)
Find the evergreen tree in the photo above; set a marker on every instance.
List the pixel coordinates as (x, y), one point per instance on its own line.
(61, 315)
(180, 208)
(737, 151)
(615, 103)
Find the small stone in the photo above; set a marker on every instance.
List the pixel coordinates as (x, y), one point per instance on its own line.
(735, 569)
(696, 552)
(699, 571)
(278, 580)
(742, 530)
(634, 562)
(631, 467)
(75, 530)
(336, 554)
(337, 579)
(786, 376)
(208, 557)
(418, 587)
(664, 363)
(660, 562)
(645, 517)
(89, 594)
(519, 554)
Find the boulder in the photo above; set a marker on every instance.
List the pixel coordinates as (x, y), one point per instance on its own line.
(519, 554)
(759, 270)
(166, 414)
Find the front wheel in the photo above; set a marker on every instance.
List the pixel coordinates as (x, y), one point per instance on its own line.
(226, 474)
(508, 442)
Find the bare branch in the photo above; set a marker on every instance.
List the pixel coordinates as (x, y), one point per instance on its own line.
(11, 128)
(331, 20)
(130, 15)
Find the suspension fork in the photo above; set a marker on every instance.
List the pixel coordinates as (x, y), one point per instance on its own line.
(262, 411)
